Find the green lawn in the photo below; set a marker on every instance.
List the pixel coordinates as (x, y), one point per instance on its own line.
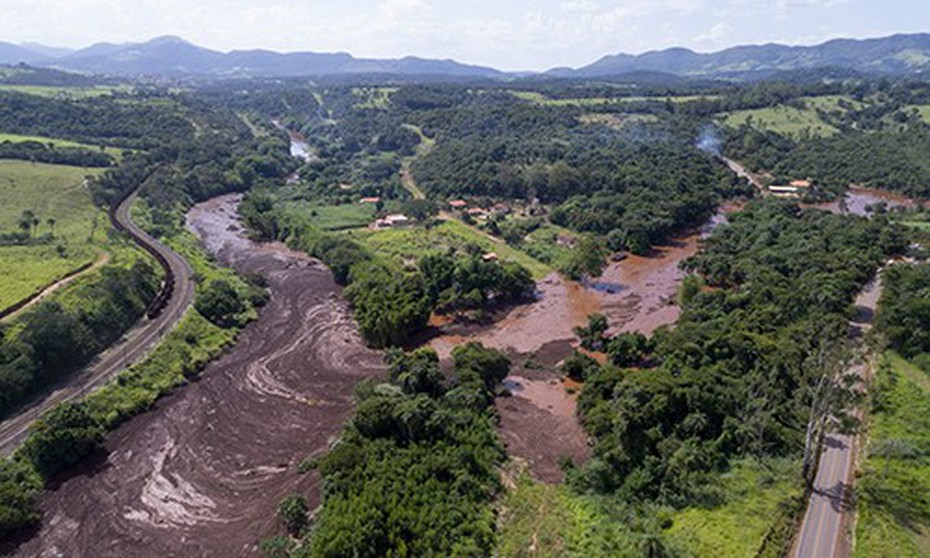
(50, 191)
(894, 489)
(407, 245)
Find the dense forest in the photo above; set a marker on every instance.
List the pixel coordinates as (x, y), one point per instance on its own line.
(736, 375)
(416, 469)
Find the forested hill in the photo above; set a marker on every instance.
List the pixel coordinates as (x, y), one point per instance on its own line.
(907, 55)
(897, 54)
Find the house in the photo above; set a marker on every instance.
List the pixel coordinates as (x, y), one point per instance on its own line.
(489, 257)
(458, 204)
(784, 191)
(800, 183)
(394, 221)
(373, 199)
(478, 213)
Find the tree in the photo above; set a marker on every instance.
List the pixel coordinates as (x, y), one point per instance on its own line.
(293, 513)
(220, 303)
(51, 225)
(490, 364)
(62, 437)
(592, 336)
(588, 259)
(26, 221)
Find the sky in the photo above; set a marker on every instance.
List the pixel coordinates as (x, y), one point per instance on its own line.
(506, 34)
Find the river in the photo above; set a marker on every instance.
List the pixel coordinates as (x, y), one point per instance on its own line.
(202, 473)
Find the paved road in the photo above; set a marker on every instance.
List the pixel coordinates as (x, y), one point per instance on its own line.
(823, 531)
(134, 345)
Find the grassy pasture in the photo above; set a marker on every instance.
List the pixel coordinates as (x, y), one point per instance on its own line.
(67, 92)
(50, 191)
(541, 99)
(894, 489)
(17, 138)
(374, 97)
(329, 217)
(793, 121)
(405, 245)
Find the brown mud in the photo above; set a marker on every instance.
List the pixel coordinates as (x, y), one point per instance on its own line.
(857, 199)
(538, 423)
(203, 472)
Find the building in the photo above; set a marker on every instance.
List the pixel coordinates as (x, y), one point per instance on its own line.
(458, 204)
(489, 257)
(800, 183)
(395, 221)
(370, 200)
(784, 191)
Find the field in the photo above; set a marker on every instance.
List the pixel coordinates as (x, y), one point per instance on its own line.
(540, 99)
(16, 138)
(373, 97)
(51, 192)
(69, 92)
(894, 490)
(330, 217)
(406, 245)
(790, 120)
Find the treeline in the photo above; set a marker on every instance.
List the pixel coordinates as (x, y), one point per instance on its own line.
(128, 123)
(415, 471)
(44, 153)
(904, 309)
(743, 368)
(51, 340)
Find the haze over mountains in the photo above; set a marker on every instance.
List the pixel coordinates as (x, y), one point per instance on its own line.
(172, 56)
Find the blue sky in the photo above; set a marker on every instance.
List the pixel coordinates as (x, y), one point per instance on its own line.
(508, 34)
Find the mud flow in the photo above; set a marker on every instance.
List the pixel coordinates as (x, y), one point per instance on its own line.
(202, 473)
(538, 421)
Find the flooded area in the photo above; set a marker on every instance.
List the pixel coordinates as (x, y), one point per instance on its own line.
(858, 200)
(538, 422)
(203, 472)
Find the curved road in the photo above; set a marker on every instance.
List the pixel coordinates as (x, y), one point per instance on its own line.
(133, 346)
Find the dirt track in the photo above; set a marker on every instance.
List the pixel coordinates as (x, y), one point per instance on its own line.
(202, 474)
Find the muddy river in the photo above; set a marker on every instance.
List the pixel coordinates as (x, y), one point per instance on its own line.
(202, 473)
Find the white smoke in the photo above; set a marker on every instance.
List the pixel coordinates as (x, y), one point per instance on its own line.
(709, 141)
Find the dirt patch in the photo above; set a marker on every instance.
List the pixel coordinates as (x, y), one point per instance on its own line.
(203, 472)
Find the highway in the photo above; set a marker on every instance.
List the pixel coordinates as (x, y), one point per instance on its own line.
(131, 348)
(823, 532)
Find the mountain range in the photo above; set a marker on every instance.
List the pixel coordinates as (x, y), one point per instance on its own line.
(172, 56)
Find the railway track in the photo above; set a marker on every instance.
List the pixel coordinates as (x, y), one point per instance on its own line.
(162, 315)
